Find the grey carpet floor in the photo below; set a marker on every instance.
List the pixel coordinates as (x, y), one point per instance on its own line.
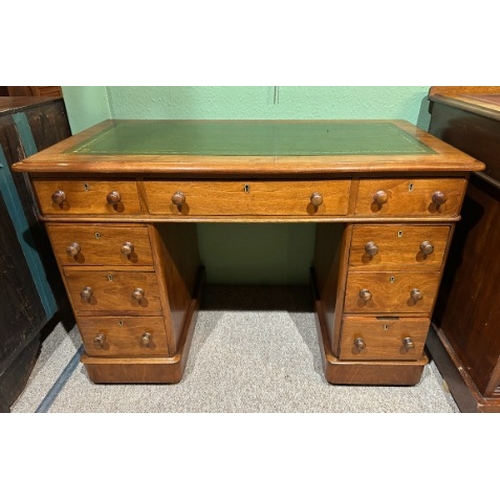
(254, 350)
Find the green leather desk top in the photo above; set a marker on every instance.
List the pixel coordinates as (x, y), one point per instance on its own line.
(247, 138)
(242, 148)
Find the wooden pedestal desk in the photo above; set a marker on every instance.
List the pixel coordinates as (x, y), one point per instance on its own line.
(121, 201)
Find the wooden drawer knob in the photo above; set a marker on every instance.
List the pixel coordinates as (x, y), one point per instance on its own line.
(138, 294)
(146, 339)
(316, 199)
(127, 248)
(365, 295)
(86, 293)
(381, 197)
(408, 343)
(99, 340)
(426, 247)
(113, 198)
(58, 197)
(73, 249)
(359, 344)
(416, 295)
(178, 198)
(371, 248)
(439, 198)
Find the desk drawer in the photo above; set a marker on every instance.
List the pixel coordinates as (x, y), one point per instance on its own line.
(109, 290)
(383, 338)
(410, 197)
(285, 198)
(100, 244)
(87, 197)
(124, 336)
(396, 246)
(381, 293)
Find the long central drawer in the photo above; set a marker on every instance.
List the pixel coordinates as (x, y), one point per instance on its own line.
(212, 198)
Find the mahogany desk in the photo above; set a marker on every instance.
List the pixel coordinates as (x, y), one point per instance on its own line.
(120, 202)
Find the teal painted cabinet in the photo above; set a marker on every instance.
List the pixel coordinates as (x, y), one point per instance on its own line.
(31, 291)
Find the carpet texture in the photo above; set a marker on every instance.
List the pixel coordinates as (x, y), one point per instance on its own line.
(255, 349)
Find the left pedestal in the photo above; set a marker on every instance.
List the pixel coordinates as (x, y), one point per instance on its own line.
(135, 291)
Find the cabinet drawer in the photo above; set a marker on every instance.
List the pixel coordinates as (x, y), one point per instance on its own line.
(109, 290)
(87, 197)
(383, 338)
(286, 198)
(124, 336)
(393, 246)
(399, 292)
(100, 244)
(410, 197)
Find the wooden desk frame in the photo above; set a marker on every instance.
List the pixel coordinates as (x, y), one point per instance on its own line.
(384, 226)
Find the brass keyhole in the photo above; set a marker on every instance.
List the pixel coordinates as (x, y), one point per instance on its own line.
(246, 188)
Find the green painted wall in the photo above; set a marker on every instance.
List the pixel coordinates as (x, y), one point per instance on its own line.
(249, 253)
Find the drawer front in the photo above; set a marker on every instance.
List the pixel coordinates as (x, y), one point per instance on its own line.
(393, 246)
(286, 198)
(99, 291)
(124, 336)
(100, 244)
(383, 338)
(381, 293)
(87, 197)
(410, 197)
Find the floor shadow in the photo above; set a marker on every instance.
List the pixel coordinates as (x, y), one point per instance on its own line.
(296, 300)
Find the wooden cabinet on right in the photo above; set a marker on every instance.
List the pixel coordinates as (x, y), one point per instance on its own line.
(465, 343)
(46, 91)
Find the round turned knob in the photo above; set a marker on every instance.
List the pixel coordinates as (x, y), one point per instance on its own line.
(86, 293)
(439, 198)
(416, 294)
(426, 247)
(100, 339)
(359, 344)
(408, 343)
(113, 198)
(146, 339)
(381, 197)
(58, 197)
(73, 249)
(316, 199)
(365, 295)
(371, 248)
(178, 198)
(127, 248)
(138, 294)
